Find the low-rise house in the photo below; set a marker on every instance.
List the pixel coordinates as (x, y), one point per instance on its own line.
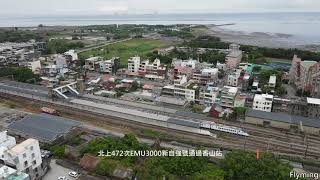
(272, 83)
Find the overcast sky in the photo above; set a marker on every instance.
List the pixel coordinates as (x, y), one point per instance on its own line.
(100, 7)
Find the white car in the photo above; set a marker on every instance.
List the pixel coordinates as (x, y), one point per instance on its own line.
(62, 178)
(74, 174)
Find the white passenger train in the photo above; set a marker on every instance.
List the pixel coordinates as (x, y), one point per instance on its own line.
(223, 128)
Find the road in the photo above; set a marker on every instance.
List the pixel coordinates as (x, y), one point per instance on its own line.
(57, 171)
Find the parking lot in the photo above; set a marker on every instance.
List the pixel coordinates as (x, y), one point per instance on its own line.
(57, 171)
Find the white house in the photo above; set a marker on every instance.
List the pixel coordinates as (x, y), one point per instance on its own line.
(263, 102)
(134, 64)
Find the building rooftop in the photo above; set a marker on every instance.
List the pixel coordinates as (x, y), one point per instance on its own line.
(231, 90)
(263, 96)
(272, 79)
(313, 101)
(43, 127)
(19, 148)
(310, 122)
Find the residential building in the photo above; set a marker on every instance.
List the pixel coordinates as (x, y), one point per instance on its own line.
(221, 66)
(152, 70)
(305, 75)
(240, 100)
(234, 57)
(263, 102)
(234, 78)
(55, 65)
(205, 76)
(18, 160)
(272, 82)
(71, 55)
(93, 63)
(109, 66)
(208, 95)
(134, 64)
(35, 66)
(9, 173)
(181, 89)
(306, 107)
(228, 95)
(26, 157)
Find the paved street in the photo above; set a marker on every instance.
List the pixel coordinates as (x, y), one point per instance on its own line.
(56, 171)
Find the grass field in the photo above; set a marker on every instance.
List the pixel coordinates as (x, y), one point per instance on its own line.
(125, 50)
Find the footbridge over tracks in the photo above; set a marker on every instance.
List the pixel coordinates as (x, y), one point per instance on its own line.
(60, 91)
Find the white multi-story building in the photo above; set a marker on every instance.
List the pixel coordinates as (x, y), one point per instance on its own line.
(263, 102)
(234, 78)
(134, 64)
(221, 66)
(24, 157)
(109, 66)
(233, 59)
(71, 55)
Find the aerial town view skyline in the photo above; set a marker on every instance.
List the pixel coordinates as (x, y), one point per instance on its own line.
(144, 89)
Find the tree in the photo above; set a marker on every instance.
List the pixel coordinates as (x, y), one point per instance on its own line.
(58, 151)
(106, 167)
(245, 165)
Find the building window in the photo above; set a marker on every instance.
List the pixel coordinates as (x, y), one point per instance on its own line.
(31, 148)
(24, 155)
(26, 163)
(33, 155)
(34, 162)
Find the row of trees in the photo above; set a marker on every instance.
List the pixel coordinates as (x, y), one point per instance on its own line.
(61, 46)
(235, 165)
(17, 36)
(20, 74)
(184, 33)
(253, 52)
(279, 52)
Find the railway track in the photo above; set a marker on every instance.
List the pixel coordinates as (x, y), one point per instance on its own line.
(227, 141)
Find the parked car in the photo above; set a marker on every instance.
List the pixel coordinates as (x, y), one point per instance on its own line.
(74, 174)
(62, 178)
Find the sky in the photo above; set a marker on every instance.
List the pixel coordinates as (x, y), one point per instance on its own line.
(101, 7)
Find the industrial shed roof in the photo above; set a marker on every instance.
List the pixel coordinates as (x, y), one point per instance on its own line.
(44, 127)
(284, 118)
(184, 122)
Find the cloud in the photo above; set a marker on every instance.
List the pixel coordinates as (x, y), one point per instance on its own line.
(45, 7)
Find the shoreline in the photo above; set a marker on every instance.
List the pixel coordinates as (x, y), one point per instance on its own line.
(262, 39)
